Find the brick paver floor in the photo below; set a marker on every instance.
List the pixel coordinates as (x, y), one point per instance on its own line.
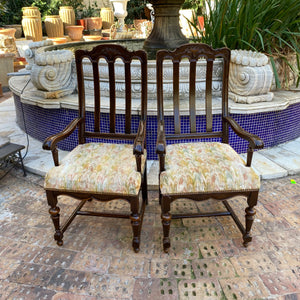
(206, 260)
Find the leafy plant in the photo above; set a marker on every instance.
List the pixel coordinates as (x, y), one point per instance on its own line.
(91, 10)
(270, 26)
(135, 10)
(196, 5)
(11, 11)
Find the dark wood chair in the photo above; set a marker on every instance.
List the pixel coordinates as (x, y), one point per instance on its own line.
(107, 164)
(191, 166)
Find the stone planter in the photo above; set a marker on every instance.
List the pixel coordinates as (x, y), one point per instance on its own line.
(250, 77)
(54, 26)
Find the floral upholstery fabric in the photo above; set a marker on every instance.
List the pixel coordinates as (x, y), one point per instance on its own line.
(205, 167)
(97, 167)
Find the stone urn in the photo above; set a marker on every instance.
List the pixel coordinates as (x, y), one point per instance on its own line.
(250, 77)
(75, 32)
(166, 33)
(120, 12)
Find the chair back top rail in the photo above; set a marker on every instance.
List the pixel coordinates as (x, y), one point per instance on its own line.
(193, 52)
(110, 53)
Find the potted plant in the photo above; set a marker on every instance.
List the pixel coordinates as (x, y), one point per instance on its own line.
(89, 16)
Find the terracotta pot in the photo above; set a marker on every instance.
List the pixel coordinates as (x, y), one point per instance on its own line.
(89, 38)
(32, 28)
(75, 32)
(54, 26)
(18, 28)
(67, 15)
(8, 31)
(59, 40)
(107, 16)
(82, 22)
(94, 23)
(31, 11)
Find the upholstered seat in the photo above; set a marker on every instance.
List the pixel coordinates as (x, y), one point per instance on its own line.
(97, 168)
(205, 167)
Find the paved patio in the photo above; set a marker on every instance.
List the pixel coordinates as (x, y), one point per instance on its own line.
(206, 261)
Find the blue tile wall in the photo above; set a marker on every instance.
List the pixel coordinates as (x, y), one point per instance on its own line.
(273, 127)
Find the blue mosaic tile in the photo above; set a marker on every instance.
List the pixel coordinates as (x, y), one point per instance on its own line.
(273, 127)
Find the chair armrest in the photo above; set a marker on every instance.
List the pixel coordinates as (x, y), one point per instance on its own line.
(51, 141)
(255, 142)
(161, 139)
(139, 142)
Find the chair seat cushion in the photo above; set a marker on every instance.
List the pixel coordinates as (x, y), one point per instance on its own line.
(97, 168)
(205, 167)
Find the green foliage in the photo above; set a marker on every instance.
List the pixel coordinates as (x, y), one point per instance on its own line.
(11, 11)
(269, 26)
(135, 10)
(92, 10)
(196, 5)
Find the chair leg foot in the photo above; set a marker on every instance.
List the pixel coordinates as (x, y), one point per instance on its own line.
(135, 223)
(58, 236)
(136, 244)
(166, 244)
(166, 221)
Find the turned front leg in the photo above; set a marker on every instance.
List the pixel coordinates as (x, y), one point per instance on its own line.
(250, 216)
(54, 213)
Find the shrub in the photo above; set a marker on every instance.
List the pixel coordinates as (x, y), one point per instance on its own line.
(269, 26)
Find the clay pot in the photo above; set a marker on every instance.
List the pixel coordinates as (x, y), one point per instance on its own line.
(8, 31)
(107, 16)
(94, 23)
(18, 28)
(59, 40)
(75, 32)
(54, 26)
(32, 28)
(67, 15)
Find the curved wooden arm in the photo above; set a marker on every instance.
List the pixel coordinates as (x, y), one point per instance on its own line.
(51, 141)
(255, 142)
(139, 142)
(161, 139)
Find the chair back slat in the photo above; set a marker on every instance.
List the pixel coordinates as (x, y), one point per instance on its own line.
(112, 96)
(189, 55)
(176, 96)
(192, 99)
(111, 55)
(97, 103)
(128, 98)
(208, 95)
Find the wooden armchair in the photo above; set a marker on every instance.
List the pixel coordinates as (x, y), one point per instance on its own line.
(107, 164)
(189, 167)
